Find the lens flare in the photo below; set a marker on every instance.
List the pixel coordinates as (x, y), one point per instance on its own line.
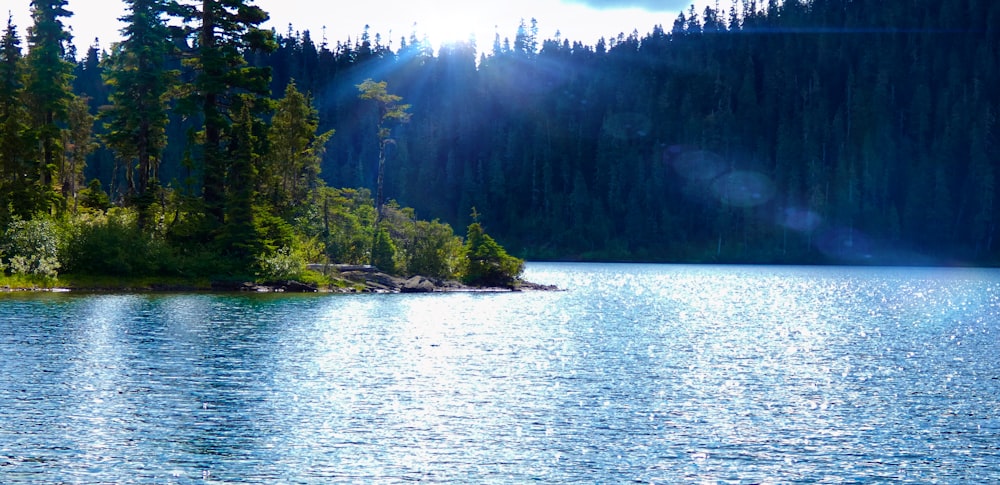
(699, 165)
(846, 244)
(799, 219)
(743, 189)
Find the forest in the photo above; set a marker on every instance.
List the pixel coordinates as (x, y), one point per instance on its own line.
(789, 132)
(244, 201)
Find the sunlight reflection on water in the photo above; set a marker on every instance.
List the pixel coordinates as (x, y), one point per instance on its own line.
(635, 373)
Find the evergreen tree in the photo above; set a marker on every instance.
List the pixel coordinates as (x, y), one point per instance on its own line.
(241, 241)
(389, 111)
(488, 264)
(15, 145)
(141, 82)
(292, 166)
(49, 90)
(384, 252)
(620, 150)
(225, 31)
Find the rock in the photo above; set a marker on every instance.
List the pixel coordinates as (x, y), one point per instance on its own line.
(527, 285)
(418, 284)
(294, 287)
(233, 286)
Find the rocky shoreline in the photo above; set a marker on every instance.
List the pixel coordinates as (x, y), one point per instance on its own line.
(368, 279)
(345, 278)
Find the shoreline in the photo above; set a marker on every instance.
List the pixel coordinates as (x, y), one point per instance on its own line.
(354, 280)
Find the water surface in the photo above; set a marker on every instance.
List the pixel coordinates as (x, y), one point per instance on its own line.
(636, 373)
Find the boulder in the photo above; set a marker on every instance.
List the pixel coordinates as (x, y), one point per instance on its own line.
(295, 287)
(418, 284)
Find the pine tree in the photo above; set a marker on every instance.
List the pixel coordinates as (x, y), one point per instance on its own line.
(389, 111)
(225, 31)
(15, 156)
(49, 90)
(292, 166)
(488, 262)
(241, 240)
(140, 80)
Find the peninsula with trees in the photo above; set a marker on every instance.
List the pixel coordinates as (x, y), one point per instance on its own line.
(247, 208)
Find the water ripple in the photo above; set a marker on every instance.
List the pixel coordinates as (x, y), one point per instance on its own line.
(636, 373)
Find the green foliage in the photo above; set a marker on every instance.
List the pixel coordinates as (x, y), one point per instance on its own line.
(17, 165)
(436, 251)
(141, 83)
(31, 247)
(94, 197)
(574, 148)
(342, 221)
(488, 263)
(389, 112)
(384, 252)
(616, 151)
(241, 235)
(112, 244)
(292, 165)
(224, 86)
(389, 108)
(49, 92)
(426, 248)
(281, 264)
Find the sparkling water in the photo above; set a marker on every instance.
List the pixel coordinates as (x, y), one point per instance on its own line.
(635, 373)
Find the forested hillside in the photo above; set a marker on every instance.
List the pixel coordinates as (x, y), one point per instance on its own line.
(822, 131)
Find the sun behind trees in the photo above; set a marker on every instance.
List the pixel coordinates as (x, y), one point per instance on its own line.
(251, 204)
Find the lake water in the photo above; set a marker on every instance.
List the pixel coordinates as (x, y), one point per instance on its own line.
(637, 373)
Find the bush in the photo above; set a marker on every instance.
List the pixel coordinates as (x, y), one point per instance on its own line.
(32, 248)
(113, 245)
(384, 252)
(281, 264)
(437, 252)
(94, 197)
(488, 262)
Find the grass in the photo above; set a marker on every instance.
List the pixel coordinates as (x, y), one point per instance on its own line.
(98, 283)
(131, 283)
(27, 283)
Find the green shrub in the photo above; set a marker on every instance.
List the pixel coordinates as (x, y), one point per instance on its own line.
(488, 262)
(281, 264)
(31, 247)
(437, 252)
(384, 252)
(94, 197)
(114, 245)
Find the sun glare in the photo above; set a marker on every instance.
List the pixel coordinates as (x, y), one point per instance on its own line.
(450, 27)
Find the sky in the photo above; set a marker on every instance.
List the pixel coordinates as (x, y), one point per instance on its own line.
(440, 20)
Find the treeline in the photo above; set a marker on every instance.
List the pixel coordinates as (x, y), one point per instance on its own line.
(794, 131)
(210, 177)
(782, 131)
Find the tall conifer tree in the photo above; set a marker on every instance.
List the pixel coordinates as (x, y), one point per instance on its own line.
(14, 145)
(390, 111)
(226, 30)
(140, 80)
(49, 88)
(293, 163)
